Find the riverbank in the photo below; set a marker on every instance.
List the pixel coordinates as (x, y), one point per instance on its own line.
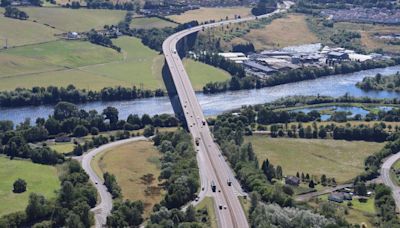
(214, 104)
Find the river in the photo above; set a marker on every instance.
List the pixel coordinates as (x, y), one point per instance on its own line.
(214, 104)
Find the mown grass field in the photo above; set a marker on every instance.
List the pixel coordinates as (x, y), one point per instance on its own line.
(74, 20)
(200, 73)
(206, 14)
(129, 162)
(89, 66)
(342, 160)
(41, 179)
(62, 148)
(282, 32)
(20, 32)
(152, 22)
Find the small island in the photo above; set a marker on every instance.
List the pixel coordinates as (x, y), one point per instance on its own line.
(389, 83)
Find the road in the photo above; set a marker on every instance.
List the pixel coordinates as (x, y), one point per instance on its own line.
(212, 166)
(103, 209)
(385, 176)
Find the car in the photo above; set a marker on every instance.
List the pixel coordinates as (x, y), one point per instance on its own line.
(225, 207)
(96, 183)
(220, 207)
(197, 199)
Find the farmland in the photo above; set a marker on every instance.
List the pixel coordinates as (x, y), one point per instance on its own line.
(89, 66)
(74, 20)
(342, 160)
(41, 179)
(129, 162)
(27, 32)
(152, 22)
(206, 14)
(282, 32)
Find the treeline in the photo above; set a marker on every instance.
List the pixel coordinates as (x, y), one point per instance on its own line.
(379, 82)
(244, 48)
(218, 61)
(53, 95)
(307, 5)
(70, 209)
(296, 75)
(154, 37)
(100, 39)
(229, 132)
(373, 162)
(181, 175)
(16, 13)
(67, 119)
(386, 206)
(5, 3)
(264, 7)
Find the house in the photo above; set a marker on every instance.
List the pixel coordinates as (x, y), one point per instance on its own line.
(63, 138)
(338, 55)
(337, 197)
(292, 180)
(72, 36)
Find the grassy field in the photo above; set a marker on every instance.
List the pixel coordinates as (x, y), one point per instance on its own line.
(209, 204)
(200, 73)
(206, 14)
(340, 159)
(74, 20)
(67, 54)
(62, 148)
(128, 163)
(20, 32)
(152, 22)
(41, 179)
(282, 32)
(359, 212)
(90, 66)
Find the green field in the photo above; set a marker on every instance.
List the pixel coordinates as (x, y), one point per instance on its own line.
(20, 32)
(74, 20)
(89, 66)
(129, 162)
(152, 22)
(200, 73)
(41, 179)
(342, 160)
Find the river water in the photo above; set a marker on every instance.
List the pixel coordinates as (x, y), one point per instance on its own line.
(214, 104)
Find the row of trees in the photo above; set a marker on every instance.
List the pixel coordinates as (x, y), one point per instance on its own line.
(229, 130)
(391, 83)
(264, 7)
(70, 209)
(295, 75)
(53, 95)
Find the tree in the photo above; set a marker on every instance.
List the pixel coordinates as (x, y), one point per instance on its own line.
(323, 180)
(38, 208)
(190, 214)
(65, 110)
(19, 186)
(80, 131)
(279, 172)
(311, 184)
(111, 114)
(148, 131)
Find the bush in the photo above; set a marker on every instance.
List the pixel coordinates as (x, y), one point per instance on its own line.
(19, 186)
(94, 131)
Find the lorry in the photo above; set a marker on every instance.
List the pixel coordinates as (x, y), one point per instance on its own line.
(213, 186)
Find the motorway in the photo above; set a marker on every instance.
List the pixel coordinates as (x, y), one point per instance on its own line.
(385, 176)
(103, 209)
(212, 165)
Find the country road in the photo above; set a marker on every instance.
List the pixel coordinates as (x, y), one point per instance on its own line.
(214, 170)
(103, 209)
(385, 176)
